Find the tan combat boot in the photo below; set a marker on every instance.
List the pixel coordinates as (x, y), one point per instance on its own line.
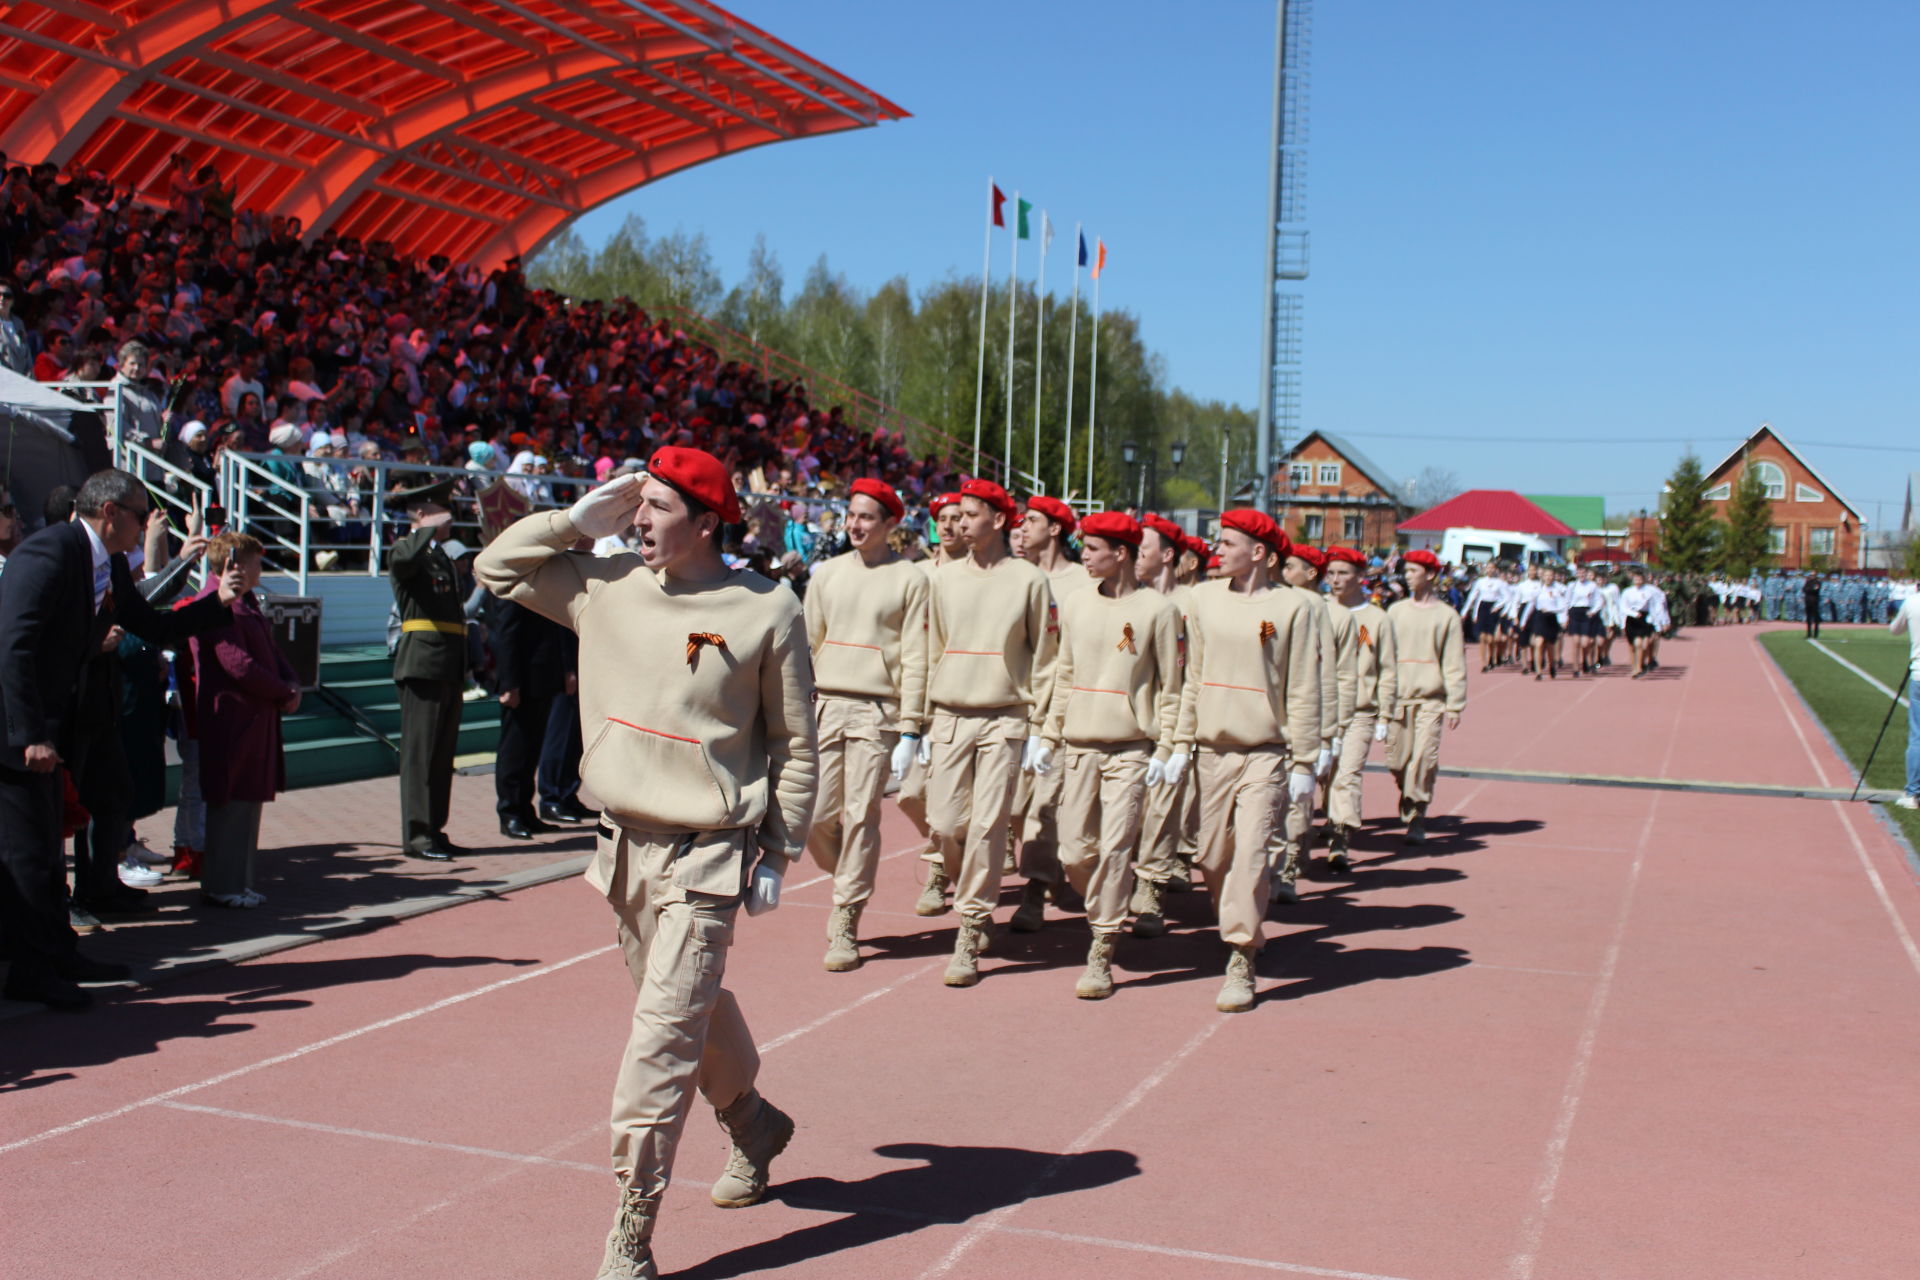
(964, 969)
(1031, 914)
(933, 897)
(629, 1254)
(1181, 879)
(1097, 982)
(760, 1131)
(1417, 829)
(843, 932)
(1148, 922)
(1284, 877)
(1236, 994)
(1338, 860)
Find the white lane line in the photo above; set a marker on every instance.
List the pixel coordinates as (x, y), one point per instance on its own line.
(1194, 1255)
(990, 1222)
(1533, 1230)
(1518, 968)
(1900, 929)
(1864, 674)
(844, 1009)
(1786, 709)
(304, 1050)
(340, 1131)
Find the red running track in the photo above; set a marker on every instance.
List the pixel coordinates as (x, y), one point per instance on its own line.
(1585, 1033)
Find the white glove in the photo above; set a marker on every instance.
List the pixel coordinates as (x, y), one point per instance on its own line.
(1324, 765)
(1037, 758)
(763, 893)
(1156, 773)
(607, 510)
(1300, 786)
(926, 751)
(903, 753)
(1380, 731)
(1176, 768)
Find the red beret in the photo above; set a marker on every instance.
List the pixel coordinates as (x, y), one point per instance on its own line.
(1257, 525)
(1115, 526)
(1170, 533)
(1424, 558)
(1197, 545)
(1055, 510)
(990, 493)
(881, 492)
(1352, 557)
(1312, 555)
(699, 475)
(941, 503)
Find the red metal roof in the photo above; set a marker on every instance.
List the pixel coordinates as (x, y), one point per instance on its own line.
(474, 128)
(1487, 509)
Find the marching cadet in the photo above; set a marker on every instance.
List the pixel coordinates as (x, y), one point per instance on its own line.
(1045, 528)
(1301, 569)
(867, 626)
(1424, 683)
(1116, 690)
(1484, 598)
(1250, 710)
(697, 693)
(1164, 825)
(990, 654)
(429, 667)
(912, 796)
(1371, 650)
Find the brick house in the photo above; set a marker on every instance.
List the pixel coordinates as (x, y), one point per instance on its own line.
(1332, 494)
(1810, 518)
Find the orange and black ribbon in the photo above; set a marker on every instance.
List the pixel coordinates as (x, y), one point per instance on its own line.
(1267, 630)
(1365, 639)
(1126, 639)
(697, 638)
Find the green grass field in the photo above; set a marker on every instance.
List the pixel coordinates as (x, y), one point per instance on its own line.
(1849, 707)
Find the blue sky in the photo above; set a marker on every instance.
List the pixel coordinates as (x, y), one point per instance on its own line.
(1558, 221)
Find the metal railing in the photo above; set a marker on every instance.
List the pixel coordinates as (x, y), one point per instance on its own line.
(251, 488)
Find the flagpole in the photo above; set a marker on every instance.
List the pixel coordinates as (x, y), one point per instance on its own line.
(1073, 336)
(980, 381)
(1039, 330)
(1093, 384)
(1013, 298)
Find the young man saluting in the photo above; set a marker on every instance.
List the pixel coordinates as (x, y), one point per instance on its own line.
(867, 623)
(696, 699)
(1250, 708)
(1424, 683)
(1116, 692)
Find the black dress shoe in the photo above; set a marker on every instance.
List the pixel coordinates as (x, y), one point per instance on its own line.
(123, 902)
(566, 811)
(519, 828)
(432, 853)
(47, 988)
(78, 968)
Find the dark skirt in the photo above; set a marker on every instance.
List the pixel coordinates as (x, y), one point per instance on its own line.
(1544, 625)
(1638, 628)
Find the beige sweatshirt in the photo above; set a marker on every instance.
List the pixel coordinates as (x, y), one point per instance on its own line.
(990, 639)
(681, 734)
(1118, 677)
(868, 629)
(1371, 648)
(1249, 684)
(1336, 680)
(1429, 661)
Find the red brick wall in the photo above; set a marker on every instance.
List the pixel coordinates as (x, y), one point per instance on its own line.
(1311, 497)
(1801, 521)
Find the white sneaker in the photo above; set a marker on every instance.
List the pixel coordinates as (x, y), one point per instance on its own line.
(1907, 800)
(138, 849)
(136, 875)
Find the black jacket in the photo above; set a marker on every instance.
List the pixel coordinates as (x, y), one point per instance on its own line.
(49, 629)
(531, 653)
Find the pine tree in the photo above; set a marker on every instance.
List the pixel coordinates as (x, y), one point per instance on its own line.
(1688, 531)
(1749, 526)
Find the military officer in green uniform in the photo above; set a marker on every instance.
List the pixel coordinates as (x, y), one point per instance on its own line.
(429, 666)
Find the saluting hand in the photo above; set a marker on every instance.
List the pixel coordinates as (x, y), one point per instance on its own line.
(607, 510)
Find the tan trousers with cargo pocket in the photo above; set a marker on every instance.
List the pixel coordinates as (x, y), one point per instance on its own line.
(1343, 795)
(1413, 748)
(975, 756)
(1242, 797)
(856, 749)
(687, 1029)
(1102, 796)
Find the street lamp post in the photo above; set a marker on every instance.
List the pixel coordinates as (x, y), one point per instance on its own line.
(1130, 454)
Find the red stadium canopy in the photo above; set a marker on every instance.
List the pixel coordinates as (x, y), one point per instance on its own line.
(474, 128)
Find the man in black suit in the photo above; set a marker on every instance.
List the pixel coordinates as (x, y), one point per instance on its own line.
(532, 660)
(64, 590)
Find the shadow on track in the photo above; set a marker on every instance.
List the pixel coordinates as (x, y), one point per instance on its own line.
(951, 1186)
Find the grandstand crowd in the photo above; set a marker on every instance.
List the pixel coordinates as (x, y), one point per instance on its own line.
(226, 330)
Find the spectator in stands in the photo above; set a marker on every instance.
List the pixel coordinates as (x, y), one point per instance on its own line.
(142, 404)
(14, 353)
(191, 450)
(56, 354)
(242, 686)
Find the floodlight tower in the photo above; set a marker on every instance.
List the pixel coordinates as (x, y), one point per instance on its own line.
(1286, 249)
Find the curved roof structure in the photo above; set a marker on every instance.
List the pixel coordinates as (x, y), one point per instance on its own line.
(474, 128)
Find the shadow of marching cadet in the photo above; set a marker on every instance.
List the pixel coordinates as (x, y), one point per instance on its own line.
(951, 1186)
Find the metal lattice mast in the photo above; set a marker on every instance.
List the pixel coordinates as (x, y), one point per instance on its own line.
(1286, 250)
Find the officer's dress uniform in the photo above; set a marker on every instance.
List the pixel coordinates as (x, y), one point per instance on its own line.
(430, 668)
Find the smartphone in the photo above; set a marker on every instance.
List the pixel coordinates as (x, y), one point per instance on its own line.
(216, 518)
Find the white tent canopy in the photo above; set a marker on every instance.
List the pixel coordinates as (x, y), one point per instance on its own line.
(40, 448)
